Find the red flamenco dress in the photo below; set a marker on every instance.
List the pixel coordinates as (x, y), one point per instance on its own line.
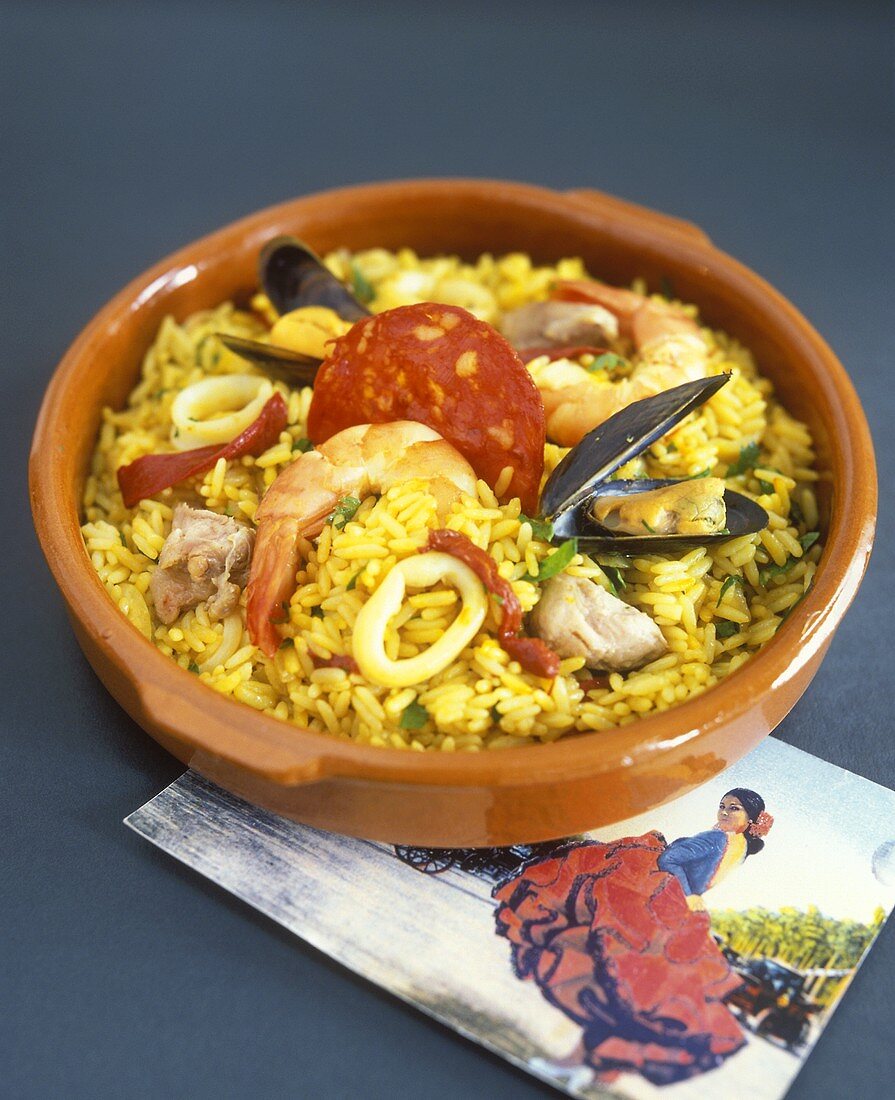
(611, 941)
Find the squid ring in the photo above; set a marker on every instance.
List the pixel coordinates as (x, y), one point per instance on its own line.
(420, 571)
(217, 409)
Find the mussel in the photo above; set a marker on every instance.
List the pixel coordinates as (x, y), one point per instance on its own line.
(581, 479)
(292, 275)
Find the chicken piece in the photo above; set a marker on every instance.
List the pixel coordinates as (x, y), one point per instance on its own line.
(694, 507)
(578, 618)
(558, 324)
(206, 557)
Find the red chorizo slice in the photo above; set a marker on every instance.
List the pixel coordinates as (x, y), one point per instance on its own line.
(441, 366)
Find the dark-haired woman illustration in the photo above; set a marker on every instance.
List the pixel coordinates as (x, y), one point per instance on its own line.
(616, 936)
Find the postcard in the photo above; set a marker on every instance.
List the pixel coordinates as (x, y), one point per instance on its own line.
(701, 946)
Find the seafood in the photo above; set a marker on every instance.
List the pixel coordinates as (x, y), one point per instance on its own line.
(360, 600)
(216, 410)
(420, 571)
(293, 275)
(669, 348)
(367, 458)
(558, 324)
(694, 507)
(310, 302)
(582, 502)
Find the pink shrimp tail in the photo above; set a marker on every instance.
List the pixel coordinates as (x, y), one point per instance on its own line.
(271, 581)
(623, 303)
(639, 318)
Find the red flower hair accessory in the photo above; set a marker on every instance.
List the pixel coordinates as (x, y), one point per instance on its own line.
(761, 826)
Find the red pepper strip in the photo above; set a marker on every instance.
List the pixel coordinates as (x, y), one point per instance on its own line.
(149, 474)
(533, 654)
(348, 664)
(572, 352)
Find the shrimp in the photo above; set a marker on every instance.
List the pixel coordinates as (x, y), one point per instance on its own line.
(670, 350)
(368, 458)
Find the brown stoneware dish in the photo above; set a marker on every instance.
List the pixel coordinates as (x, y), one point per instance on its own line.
(505, 796)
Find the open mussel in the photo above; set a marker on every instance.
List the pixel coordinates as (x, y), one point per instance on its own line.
(621, 515)
(293, 277)
(288, 366)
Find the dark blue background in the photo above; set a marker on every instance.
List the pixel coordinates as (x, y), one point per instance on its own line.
(130, 129)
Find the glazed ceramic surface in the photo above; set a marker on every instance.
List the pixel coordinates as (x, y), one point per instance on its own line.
(506, 796)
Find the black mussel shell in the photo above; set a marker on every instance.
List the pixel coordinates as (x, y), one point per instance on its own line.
(293, 275)
(288, 366)
(619, 439)
(744, 517)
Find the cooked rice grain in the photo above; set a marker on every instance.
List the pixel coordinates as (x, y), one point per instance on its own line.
(484, 699)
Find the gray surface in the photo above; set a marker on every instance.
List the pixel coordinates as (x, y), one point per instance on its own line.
(131, 129)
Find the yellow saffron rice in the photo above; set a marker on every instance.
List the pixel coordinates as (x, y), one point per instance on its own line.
(715, 606)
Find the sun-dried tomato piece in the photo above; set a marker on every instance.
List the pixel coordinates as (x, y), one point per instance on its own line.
(533, 654)
(347, 664)
(593, 682)
(441, 366)
(149, 474)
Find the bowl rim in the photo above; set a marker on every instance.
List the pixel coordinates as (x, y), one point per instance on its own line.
(287, 754)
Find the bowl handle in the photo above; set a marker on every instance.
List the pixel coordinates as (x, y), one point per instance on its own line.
(215, 741)
(619, 209)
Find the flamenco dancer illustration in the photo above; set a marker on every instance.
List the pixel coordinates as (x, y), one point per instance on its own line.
(617, 937)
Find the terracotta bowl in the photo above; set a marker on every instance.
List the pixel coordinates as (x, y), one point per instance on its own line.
(513, 795)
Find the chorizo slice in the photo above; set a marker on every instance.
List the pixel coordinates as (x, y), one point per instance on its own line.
(441, 366)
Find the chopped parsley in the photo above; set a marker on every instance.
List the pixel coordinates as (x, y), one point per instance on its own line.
(193, 667)
(702, 473)
(729, 583)
(286, 643)
(495, 715)
(774, 570)
(666, 287)
(615, 577)
(302, 445)
(795, 513)
(344, 511)
(746, 461)
(317, 612)
(727, 629)
(766, 487)
(556, 563)
(363, 288)
(651, 530)
(413, 717)
(123, 539)
(352, 584)
(607, 360)
(541, 528)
